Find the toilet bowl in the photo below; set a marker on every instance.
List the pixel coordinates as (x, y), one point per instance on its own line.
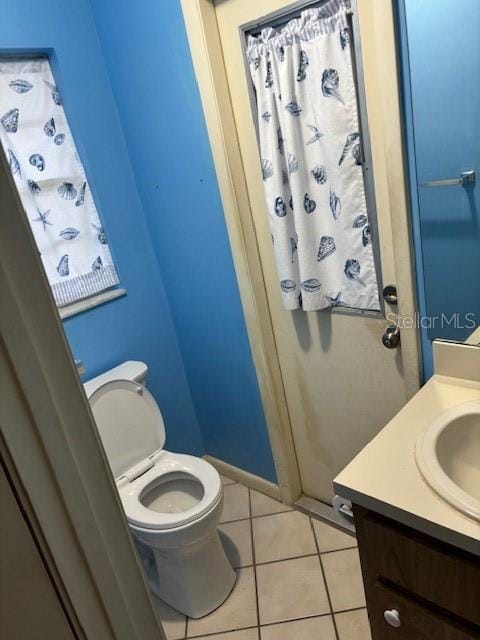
(172, 501)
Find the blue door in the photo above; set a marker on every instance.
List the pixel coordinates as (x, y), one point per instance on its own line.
(440, 47)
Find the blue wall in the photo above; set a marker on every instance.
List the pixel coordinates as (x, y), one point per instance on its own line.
(149, 65)
(442, 106)
(138, 326)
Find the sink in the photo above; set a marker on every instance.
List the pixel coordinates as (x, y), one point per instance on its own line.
(448, 457)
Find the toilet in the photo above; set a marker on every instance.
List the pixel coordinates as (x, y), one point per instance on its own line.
(172, 501)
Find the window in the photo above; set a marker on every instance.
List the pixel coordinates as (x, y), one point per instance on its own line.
(51, 182)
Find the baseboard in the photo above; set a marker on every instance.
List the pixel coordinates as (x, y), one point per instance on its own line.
(245, 477)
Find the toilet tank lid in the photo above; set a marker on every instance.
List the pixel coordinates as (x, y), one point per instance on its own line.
(131, 370)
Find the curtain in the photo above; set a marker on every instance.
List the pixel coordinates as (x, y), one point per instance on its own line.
(311, 161)
(51, 182)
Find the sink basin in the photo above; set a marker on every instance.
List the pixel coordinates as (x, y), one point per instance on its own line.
(448, 457)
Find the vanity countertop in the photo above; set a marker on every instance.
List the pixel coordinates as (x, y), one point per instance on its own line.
(384, 476)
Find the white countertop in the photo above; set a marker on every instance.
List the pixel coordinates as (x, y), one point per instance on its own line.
(384, 476)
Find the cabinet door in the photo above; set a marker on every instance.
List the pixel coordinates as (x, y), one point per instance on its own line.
(416, 621)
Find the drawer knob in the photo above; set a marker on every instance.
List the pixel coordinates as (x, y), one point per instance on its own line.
(392, 617)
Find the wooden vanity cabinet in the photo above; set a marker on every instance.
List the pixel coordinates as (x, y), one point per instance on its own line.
(417, 588)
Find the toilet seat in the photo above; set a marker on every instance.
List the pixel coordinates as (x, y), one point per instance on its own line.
(170, 463)
(131, 427)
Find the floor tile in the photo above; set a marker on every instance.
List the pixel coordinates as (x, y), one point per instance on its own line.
(226, 480)
(237, 542)
(245, 634)
(281, 536)
(237, 612)
(291, 589)
(263, 505)
(308, 629)
(173, 623)
(235, 503)
(344, 579)
(353, 625)
(330, 538)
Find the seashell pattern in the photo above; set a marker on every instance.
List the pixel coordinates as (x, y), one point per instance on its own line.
(293, 247)
(36, 160)
(70, 233)
(335, 301)
(102, 238)
(330, 85)
(290, 202)
(9, 121)
(14, 164)
(345, 37)
(49, 128)
(67, 191)
(335, 205)
(54, 92)
(366, 235)
(308, 204)
(267, 169)
(63, 268)
(302, 66)
(294, 108)
(292, 163)
(326, 248)
(280, 208)
(311, 285)
(269, 76)
(97, 264)
(357, 154)
(316, 135)
(280, 49)
(20, 86)
(287, 286)
(33, 186)
(348, 146)
(59, 139)
(352, 269)
(319, 174)
(81, 196)
(266, 115)
(360, 221)
(280, 142)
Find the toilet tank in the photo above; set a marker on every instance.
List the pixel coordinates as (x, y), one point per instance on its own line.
(131, 370)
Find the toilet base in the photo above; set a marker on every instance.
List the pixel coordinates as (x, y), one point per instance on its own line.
(195, 579)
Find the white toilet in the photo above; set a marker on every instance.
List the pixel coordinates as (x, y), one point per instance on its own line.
(172, 501)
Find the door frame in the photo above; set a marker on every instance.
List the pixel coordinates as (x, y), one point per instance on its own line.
(51, 450)
(376, 19)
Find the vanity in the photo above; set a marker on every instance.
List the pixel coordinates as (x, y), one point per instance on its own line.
(415, 491)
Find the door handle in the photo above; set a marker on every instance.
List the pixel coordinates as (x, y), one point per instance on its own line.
(391, 337)
(465, 178)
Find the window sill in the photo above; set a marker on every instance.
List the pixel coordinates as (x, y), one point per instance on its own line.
(87, 304)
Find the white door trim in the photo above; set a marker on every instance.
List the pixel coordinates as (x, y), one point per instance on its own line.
(49, 438)
(377, 22)
(205, 45)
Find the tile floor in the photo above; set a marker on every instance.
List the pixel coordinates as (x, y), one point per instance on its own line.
(298, 578)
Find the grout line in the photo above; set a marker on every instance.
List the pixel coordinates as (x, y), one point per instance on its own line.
(217, 633)
(305, 555)
(337, 636)
(254, 561)
(326, 553)
(310, 617)
(263, 515)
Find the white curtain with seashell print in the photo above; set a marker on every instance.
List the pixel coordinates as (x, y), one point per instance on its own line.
(311, 161)
(51, 182)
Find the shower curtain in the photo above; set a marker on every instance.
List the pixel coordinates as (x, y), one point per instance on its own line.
(311, 160)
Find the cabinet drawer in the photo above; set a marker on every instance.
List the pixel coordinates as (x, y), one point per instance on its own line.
(435, 572)
(416, 621)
